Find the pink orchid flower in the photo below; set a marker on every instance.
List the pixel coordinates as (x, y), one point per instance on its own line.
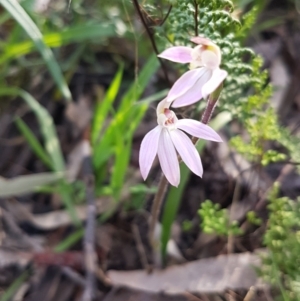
(198, 82)
(167, 138)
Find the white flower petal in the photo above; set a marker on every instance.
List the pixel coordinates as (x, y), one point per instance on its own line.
(148, 150)
(184, 83)
(178, 54)
(211, 46)
(162, 105)
(198, 129)
(187, 151)
(217, 78)
(168, 158)
(195, 92)
(210, 59)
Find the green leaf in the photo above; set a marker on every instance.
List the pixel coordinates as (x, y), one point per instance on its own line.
(19, 14)
(175, 194)
(122, 156)
(27, 184)
(103, 106)
(77, 33)
(33, 142)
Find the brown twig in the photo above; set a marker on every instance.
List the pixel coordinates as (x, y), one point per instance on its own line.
(235, 199)
(27, 242)
(37, 247)
(251, 294)
(152, 40)
(156, 207)
(2, 233)
(140, 247)
(196, 18)
(90, 257)
(166, 16)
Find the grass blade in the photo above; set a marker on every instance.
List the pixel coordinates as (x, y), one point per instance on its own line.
(136, 90)
(15, 286)
(175, 194)
(19, 14)
(69, 241)
(154, 97)
(27, 184)
(77, 33)
(122, 156)
(105, 105)
(33, 142)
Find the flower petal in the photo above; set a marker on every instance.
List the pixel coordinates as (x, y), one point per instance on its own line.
(162, 105)
(148, 150)
(217, 78)
(201, 40)
(184, 83)
(168, 158)
(187, 151)
(195, 92)
(178, 54)
(211, 46)
(210, 59)
(198, 129)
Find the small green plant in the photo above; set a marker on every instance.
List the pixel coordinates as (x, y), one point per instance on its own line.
(215, 220)
(281, 264)
(253, 219)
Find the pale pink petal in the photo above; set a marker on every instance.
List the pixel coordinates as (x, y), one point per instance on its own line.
(198, 129)
(217, 78)
(178, 54)
(184, 83)
(195, 92)
(201, 41)
(148, 150)
(168, 158)
(187, 151)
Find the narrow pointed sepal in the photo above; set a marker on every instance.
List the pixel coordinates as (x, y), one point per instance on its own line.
(194, 94)
(148, 150)
(177, 54)
(198, 129)
(187, 151)
(168, 158)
